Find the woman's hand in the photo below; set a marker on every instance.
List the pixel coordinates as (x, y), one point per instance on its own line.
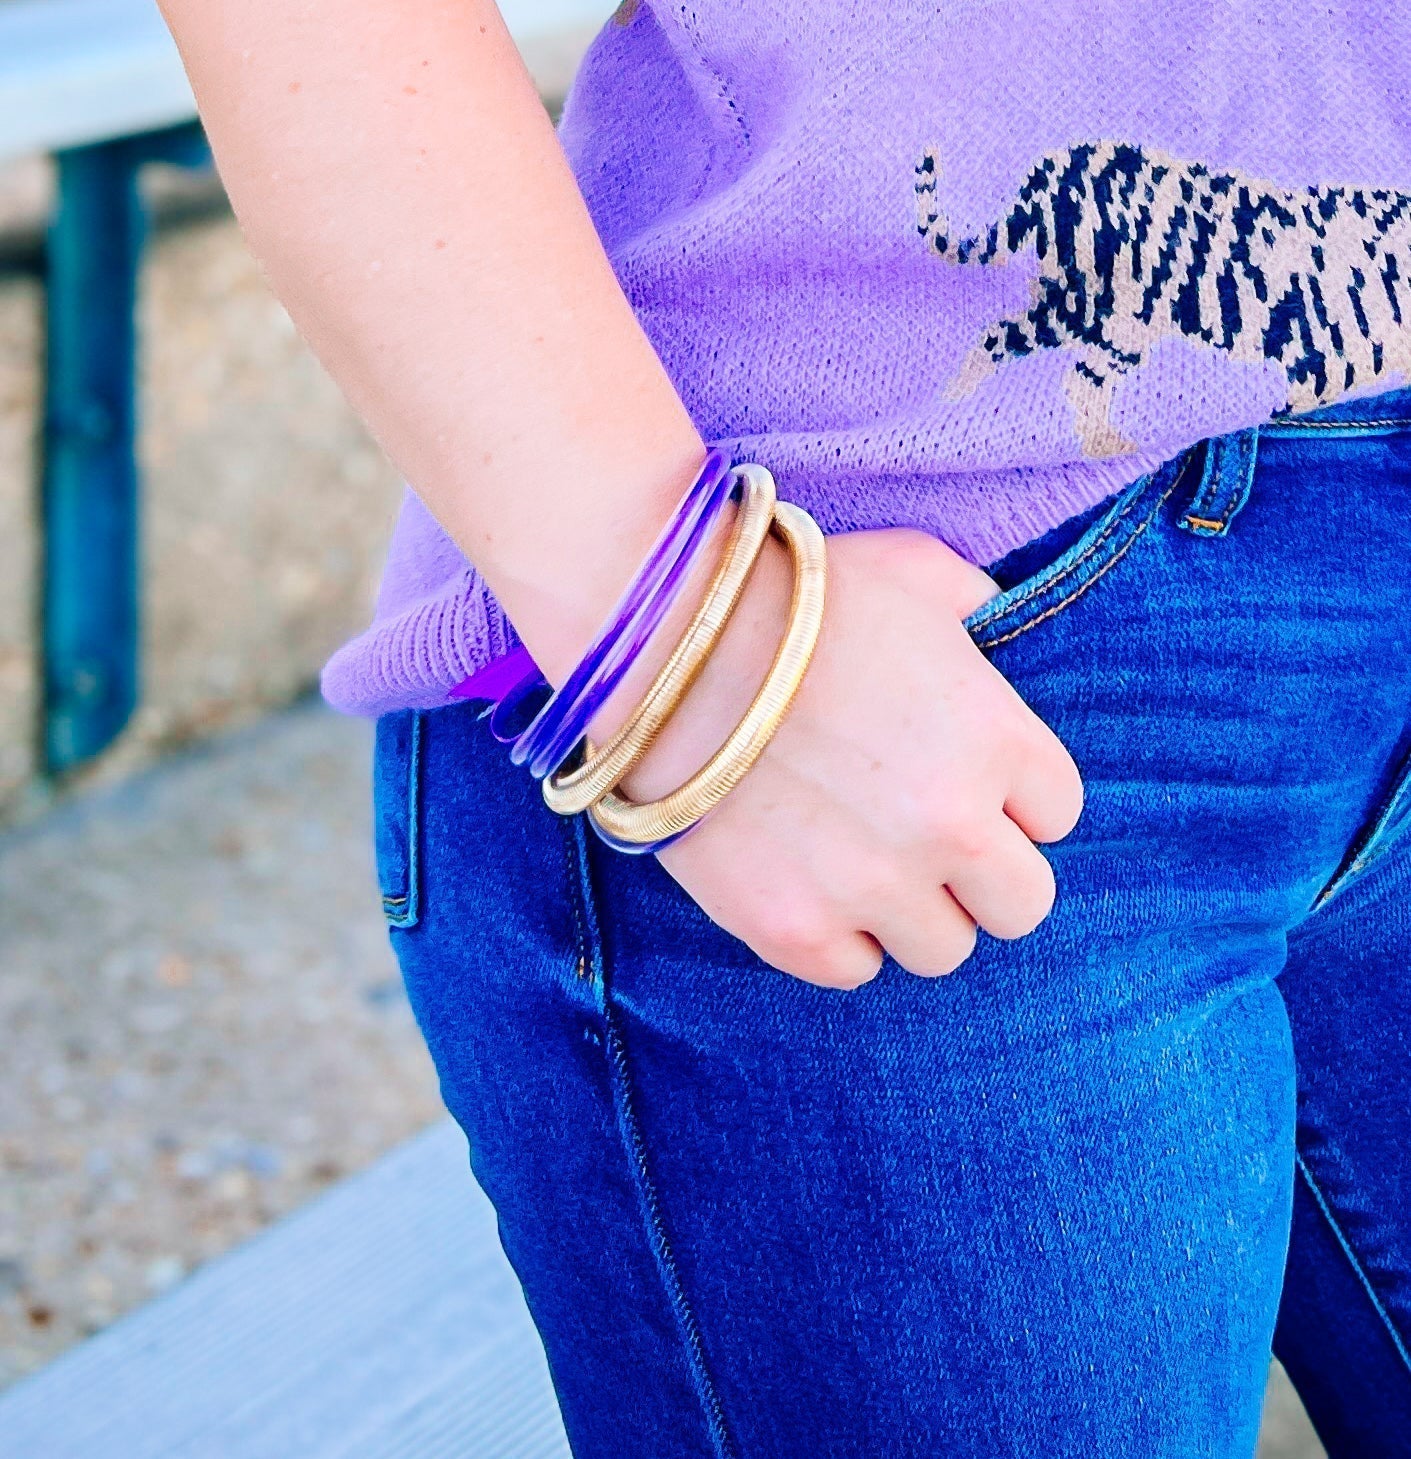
(898, 804)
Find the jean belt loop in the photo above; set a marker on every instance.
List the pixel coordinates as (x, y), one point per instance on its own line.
(1224, 483)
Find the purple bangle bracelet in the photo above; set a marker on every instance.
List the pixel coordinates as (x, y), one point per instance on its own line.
(508, 680)
(562, 721)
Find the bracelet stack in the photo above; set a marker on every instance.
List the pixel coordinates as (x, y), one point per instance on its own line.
(579, 776)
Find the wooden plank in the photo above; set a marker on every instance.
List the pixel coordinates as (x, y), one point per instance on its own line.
(79, 71)
(380, 1322)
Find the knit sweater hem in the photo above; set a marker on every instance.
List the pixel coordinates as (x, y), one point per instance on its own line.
(414, 658)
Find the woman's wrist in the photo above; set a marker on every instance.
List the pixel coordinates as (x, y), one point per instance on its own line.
(559, 590)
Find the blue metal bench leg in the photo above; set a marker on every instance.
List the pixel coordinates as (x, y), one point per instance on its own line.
(90, 606)
(90, 611)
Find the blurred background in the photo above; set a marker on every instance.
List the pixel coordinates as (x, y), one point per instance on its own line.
(201, 1025)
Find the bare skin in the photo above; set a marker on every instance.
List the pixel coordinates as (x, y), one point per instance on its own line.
(395, 173)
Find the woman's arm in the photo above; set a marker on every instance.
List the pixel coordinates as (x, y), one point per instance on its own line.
(398, 177)
(396, 174)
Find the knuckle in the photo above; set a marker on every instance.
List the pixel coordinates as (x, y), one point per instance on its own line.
(827, 967)
(1029, 905)
(947, 951)
(847, 975)
(799, 938)
(968, 841)
(875, 883)
(1056, 817)
(796, 931)
(1063, 796)
(950, 819)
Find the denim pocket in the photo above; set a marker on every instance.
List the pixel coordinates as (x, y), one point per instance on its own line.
(1388, 818)
(1052, 585)
(396, 797)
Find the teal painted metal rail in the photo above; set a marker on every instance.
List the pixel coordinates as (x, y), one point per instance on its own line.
(90, 494)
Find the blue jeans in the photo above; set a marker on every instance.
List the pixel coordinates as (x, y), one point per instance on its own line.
(1064, 1201)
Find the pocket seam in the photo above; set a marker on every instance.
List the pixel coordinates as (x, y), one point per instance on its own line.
(1058, 573)
(405, 910)
(1370, 842)
(632, 1137)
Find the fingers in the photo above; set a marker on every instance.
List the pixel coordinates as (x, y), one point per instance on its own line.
(1003, 885)
(1008, 888)
(831, 960)
(929, 936)
(995, 879)
(1045, 797)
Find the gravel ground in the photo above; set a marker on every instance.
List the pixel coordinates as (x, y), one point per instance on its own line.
(203, 1027)
(203, 1024)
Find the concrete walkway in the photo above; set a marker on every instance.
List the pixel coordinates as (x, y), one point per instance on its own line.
(203, 1028)
(381, 1321)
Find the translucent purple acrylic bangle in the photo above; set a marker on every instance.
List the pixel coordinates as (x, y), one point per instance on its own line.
(638, 848)
(563, 721)
(507, 682)
(499, 678)
(503, 724)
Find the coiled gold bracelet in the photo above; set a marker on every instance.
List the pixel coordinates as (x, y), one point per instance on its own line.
(569, 791)
(644, 823)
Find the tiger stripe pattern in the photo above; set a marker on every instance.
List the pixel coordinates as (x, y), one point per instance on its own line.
(1135, 246)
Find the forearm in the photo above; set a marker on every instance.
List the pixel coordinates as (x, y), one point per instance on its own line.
(397, 176)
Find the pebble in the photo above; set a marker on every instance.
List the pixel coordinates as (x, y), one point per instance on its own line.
(157, 1018)
(12, 1276)
(165, 1272)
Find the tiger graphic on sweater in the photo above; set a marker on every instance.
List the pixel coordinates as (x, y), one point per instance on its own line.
(1135, 246)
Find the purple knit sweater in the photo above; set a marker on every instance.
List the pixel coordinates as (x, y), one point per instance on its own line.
(968, 265)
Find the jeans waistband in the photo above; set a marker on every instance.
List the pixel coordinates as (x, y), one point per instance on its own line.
(1227, 472)
(1381, 414)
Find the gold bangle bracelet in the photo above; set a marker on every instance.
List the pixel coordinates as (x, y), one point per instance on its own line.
(641, 824)
(571, 791)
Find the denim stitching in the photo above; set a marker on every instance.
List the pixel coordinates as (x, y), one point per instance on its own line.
(1356, 1265)
(1088, 581)
(1077, 592)
(1274, 428)
(404, 911)
(1217, 502)
(1238, 499)
(1046, 581)
(577, 877)
(666, 1262)
(1366, 845)
(635, 1143)
(1205, 494)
